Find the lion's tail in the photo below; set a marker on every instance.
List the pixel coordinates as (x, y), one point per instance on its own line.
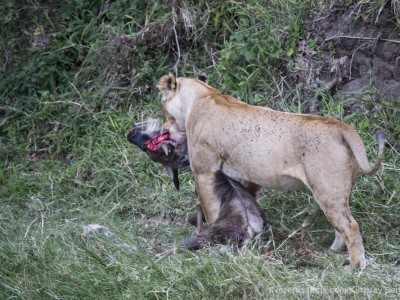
(357, 147)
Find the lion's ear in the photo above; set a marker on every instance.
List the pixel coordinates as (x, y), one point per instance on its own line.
(167, 83)
(203, 77)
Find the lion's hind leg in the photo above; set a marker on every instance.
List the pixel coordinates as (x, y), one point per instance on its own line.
(345, 224)
(336, 208)
(331, 181)
(338, 244)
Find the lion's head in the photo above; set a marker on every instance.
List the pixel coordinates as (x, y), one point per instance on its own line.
(178, 96)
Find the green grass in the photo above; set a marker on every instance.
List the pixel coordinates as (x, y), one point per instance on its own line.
(106, 181)
(66, 162)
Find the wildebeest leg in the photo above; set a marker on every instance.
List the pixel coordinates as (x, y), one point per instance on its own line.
(196, 219)
(200, 218)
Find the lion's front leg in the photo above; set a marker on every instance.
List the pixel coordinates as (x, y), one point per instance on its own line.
(211, 204)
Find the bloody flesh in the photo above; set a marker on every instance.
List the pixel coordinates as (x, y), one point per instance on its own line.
(152, 145)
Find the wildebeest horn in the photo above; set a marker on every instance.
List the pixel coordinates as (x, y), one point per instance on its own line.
(173, 173)
(165, 148)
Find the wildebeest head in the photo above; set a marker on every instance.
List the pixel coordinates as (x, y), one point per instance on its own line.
(172, 154)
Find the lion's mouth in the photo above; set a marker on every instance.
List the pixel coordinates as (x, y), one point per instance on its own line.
(160, 141)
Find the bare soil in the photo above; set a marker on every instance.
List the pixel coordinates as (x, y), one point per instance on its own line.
(351, 56)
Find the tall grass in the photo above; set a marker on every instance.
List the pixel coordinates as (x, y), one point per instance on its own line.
(66, 162)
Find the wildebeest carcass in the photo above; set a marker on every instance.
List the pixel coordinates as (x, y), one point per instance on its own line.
(240, 219)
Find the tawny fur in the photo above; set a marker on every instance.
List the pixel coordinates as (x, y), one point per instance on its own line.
(268, 148)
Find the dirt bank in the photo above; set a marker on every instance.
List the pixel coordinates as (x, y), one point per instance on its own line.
(354, 57)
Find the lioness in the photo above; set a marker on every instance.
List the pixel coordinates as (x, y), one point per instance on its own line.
(268, 148)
